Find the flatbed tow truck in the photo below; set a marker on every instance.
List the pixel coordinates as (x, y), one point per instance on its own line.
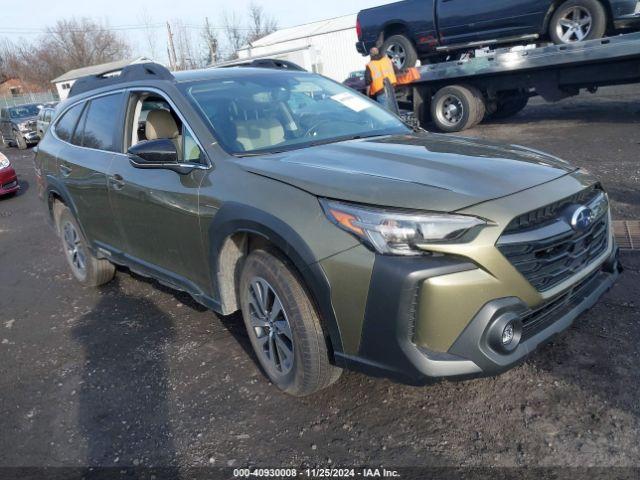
(458, 95)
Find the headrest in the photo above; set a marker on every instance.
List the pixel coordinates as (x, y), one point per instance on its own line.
(160, 124)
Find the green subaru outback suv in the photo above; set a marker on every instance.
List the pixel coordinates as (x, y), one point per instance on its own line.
(346, 239)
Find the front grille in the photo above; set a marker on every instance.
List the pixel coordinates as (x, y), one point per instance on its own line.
(537, 320)
(9, 185)
(549, 213)
(553, 252)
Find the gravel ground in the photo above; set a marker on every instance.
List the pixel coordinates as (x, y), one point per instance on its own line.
(135, 374)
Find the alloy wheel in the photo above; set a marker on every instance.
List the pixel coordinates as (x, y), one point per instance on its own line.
(74, 249)
(270, 325)
(397, 54)
(574, 25)
(451, 110)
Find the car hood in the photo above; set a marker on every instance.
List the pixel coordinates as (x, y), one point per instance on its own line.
(422, 171)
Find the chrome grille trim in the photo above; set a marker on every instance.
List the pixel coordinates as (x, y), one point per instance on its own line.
(553, 253)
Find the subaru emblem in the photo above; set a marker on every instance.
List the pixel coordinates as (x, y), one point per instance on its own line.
(581, 218)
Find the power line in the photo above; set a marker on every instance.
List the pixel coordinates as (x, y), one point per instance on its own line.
(117, 28)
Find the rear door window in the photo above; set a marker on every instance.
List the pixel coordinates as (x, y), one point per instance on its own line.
(67, 124)
(101, 125)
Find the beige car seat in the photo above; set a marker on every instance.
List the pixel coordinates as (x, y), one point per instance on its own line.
(160, 125)
(258, 134)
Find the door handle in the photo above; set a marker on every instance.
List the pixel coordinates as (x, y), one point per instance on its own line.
(117, 182)
(65, 170)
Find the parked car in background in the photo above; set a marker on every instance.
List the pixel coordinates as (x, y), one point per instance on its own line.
(356, 81)
(345, 238)
(8, 178)
(45, 117)
(18, 125)
(431, 29)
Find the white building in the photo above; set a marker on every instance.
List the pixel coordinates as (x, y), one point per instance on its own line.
(64, 82)
(327, 47)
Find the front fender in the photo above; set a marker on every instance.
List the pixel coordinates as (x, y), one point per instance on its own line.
(233, 218)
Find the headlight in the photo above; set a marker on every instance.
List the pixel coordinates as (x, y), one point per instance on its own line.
(4, 162)
(23, 126)
(400, 233)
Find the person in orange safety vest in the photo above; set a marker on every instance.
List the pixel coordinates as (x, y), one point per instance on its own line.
(379, 69)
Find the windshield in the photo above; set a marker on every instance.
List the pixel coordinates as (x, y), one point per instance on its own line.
(275, 111)
(24, 111)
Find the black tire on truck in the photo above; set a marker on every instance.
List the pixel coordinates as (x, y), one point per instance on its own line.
(401, 51)
(578, 21)
(284, 326)
(457, 107)
(509, 107)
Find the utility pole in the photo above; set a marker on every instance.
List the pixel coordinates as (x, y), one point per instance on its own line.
(213, 43)
(173, 60)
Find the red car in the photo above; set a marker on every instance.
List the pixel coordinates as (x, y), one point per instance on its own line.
(8, 178)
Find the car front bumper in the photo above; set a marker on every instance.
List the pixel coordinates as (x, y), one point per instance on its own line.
(31, 136)
(395, 308)
(8, 181)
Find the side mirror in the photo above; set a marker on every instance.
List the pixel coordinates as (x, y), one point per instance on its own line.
(156, 154)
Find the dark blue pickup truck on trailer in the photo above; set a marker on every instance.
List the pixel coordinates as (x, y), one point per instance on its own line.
(432, 29)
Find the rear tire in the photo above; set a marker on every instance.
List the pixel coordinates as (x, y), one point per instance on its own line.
(21, 143)
(457, 107)
(578, 21)
(509, 107)
(86, 268)
(401, 51)
(284, 326)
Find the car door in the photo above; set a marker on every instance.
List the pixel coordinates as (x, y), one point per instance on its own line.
(462, 21)
(89, 133)
(158, 208)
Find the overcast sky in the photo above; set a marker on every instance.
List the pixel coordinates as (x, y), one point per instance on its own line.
(26, 18)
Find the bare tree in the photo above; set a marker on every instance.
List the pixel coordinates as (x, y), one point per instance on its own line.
(234, 32)
(69, 44)
(210, 39)
(260, 24)
(149, 33)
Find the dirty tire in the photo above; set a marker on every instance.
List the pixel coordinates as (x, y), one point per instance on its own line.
(21, 143)
(469, 106)
(598, 20)
(96, 271)
(510, 107)
(311, 370)
(400, 43)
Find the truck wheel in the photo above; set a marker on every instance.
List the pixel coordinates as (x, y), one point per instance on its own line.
(457, 107)
(284, 327)
(401, 51)
(510, 107)
(577, 21)
(21, 143)
(86, 268)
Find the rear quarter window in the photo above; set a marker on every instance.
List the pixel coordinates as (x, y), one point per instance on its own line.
(67, 124)
(101, 125)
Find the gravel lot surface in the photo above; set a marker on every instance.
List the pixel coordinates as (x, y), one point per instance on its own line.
(135, 374)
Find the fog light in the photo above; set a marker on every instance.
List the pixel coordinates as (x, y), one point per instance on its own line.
(508, 334)
(505, 333)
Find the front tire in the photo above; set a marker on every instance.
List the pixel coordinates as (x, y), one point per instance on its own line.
(401, 51)
(86, 268)
(578, 21)
(284, 326)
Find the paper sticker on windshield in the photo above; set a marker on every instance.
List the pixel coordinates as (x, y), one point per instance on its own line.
(351, 101)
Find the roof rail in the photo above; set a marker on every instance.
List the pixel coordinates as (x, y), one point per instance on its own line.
(266, 63)
(137, 71)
